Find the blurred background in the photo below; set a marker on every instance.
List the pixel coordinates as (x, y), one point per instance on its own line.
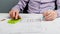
(6, 5)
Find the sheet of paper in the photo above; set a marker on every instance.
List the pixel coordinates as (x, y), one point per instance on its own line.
(30, 24)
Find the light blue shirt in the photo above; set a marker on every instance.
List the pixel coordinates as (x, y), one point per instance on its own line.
(38, 6)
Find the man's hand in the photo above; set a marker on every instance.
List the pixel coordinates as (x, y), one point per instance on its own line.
(14, 14)
(50, 15)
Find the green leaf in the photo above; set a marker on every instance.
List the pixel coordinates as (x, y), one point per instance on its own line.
(14, 21)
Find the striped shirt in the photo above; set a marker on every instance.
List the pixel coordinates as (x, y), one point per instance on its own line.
(38, 6)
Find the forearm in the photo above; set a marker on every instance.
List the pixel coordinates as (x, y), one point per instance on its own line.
(16, 7)
(21, 5)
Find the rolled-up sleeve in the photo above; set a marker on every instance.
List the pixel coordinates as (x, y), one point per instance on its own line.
(58, 7)
(21, 5)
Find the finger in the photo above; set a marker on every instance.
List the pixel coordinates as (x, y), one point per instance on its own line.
(50, 15)
(16, 13)
(46, 13)
(53, 15)
(13, 13)
(19, 17)
(50, 18)
(10, 13)
(49, 12)
(47, 19)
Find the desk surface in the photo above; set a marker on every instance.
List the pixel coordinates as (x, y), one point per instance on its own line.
(33, 26)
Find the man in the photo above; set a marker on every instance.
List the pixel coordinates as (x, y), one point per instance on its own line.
(45, 7)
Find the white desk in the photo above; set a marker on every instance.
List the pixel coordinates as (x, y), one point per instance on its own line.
(29, 27)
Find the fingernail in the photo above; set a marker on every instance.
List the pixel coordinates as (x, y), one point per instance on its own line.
(15, 18)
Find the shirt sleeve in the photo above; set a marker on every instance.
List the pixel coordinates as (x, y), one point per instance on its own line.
(47, 5)
(58, 7)
(21, 5)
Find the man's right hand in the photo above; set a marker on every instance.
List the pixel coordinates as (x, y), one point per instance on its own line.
(14, 14)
